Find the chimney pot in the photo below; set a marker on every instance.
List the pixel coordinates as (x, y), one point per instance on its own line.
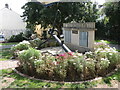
(6, 5)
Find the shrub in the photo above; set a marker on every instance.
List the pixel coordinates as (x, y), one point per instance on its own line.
(36, 42)
(64, 66)
(27, 34)
(19, 47)
(72, 66)
(16, 38)
(45, 66)
(102, 50)
(27, 58)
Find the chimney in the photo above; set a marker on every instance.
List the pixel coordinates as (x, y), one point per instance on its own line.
(6, 6)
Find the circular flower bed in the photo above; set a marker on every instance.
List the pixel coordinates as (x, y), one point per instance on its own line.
(72, 66)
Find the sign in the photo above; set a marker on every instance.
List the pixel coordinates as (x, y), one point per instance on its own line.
(75, 31)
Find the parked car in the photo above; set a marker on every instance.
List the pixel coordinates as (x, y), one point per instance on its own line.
(2, 38)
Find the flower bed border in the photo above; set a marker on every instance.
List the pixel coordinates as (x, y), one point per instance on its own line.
(77, 82)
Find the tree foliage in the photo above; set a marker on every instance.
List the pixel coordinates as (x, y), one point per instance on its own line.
(112, 27)
(36, 13)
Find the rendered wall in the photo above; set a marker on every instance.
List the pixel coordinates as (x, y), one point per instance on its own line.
(75, 29)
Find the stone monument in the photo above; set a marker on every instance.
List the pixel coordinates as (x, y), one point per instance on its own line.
(79, 36)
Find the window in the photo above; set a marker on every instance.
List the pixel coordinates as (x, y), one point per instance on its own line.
(83, 37)
(67, 36)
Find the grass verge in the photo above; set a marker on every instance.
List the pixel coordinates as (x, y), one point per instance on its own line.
(5, 54)
(11, 43)
(22, 82)
(107, 41)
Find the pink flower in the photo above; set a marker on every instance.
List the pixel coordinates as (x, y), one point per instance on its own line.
(62, 55)
(70, 53)
(57, 57)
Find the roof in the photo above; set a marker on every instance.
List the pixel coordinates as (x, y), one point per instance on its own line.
(10, 20)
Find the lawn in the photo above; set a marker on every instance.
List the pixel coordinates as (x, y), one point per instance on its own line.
(5, 54)
(107, 41)
(12, 43)
(12, 80)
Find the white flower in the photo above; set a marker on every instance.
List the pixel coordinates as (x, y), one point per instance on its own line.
(104, 42)
(55, 62)
(75, 56)
(110, 54)
(31, 57)
(104, 59)
(21, 51)
(37, 61)
(89, 59)
(74, 63)
(103, 51)
(79, 54)
(24, 42)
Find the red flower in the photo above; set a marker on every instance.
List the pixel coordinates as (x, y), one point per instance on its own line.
(62, 55)
(70, 53)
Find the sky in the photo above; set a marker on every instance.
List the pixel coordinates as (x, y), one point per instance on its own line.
(16, 5)
(99, 1)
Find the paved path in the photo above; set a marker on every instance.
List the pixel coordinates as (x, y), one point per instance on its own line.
(8, 64)
(114, 45)
(5, 46)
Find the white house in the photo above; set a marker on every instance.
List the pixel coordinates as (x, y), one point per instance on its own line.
(10, 22)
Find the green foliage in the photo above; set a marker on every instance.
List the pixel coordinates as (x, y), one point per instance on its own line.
(102, 50)
(75, 65)
(13, 43)
(27, 34)
(35, 13)
(107, 41)
(16, 38)
(36, 42)
(58, 68)
(27, 58)
(5, 55)
(19, 47)
(102, 30)
(108, 28)
(71, 66)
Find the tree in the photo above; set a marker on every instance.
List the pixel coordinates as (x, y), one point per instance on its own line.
(35, 13)
(112, 12)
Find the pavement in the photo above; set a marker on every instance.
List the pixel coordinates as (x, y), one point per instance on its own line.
(5, 46)
(8, 64)
(114, 45)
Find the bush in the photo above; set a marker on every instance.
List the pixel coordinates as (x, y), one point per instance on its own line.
(70, 66)
(102, 50)
(27, 34)
(16, 38)
(27, 58)
(19, 47)
(36, 42)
